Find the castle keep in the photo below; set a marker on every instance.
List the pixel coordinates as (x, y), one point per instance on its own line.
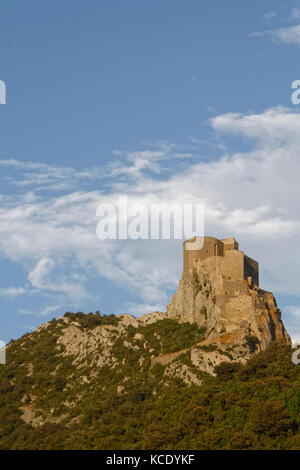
(232, 263)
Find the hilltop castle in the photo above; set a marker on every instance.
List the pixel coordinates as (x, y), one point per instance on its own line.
(219, 291)
(232, 263)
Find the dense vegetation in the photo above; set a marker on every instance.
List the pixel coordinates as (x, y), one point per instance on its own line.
(251, 406)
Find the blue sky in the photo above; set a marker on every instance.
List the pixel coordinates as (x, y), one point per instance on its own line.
(95, 91)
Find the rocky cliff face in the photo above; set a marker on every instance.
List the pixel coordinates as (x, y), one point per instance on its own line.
(238, 316)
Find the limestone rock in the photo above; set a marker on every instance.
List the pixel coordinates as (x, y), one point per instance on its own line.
(83, 345)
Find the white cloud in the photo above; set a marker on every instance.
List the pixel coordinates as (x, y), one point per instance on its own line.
(40, 271)
(293, 310)
(125, 165)
(55, 239)
(40, 278)
(283, 35)
(12, 292)
(45, 176)
(288, 35)
(295, 13)
(141, 309)
(269, 15)
(41, 312)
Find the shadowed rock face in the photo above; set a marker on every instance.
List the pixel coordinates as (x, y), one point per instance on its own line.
(235, 311)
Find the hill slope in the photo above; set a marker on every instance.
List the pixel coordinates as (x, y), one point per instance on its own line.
(115, 382)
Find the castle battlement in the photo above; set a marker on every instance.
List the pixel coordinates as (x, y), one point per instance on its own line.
(233, 263)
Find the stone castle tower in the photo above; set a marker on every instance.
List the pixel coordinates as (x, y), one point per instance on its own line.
(220, 291)
(232, 263)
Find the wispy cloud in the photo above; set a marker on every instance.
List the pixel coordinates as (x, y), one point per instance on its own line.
(41, 312)
(133, 165)
(295, 13)
(12, 292)
(45, 176)
(141, 309)
(269, 15)
(288, 35)
(283, 35)
(293, 310)
(40, 279)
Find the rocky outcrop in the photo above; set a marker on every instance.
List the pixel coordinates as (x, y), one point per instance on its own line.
(94, 346)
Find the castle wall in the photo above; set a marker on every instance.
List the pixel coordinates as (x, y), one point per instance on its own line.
(251, 269)
(211, 247)
(230, 244)
(232, 265)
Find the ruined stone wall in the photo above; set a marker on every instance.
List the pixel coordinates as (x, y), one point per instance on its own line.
(210, 247)
(232, 265)
(230, 244)
(251, 269)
